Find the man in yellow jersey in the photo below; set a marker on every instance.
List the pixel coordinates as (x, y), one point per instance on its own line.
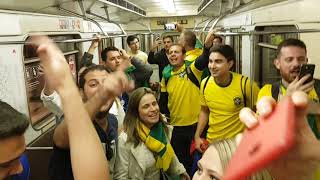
(134, 45)
(188, 40)
(222, 96)
(180, 96)
(291, 54)
(191, 44)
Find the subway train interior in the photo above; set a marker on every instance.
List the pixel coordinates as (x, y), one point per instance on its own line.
(253, 28)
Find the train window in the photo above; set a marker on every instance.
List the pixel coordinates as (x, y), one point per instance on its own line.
(35, 79)
(30, 52)
(236, 44)
(267, 49)
(106, 43)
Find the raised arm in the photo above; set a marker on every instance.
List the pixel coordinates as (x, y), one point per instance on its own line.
(202, 61)
(87, 57)
(142, 72)
(152, 57)
(82, 135)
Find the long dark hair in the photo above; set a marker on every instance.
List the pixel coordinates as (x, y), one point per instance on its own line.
(132, 118)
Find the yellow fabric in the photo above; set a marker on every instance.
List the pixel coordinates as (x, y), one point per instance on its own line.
(183, 100)
(224, 104)
(193, 54)
(141, 56)
(155, 145)
(266, 91)
(317, 174)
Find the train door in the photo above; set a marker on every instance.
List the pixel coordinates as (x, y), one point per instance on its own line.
(266, 51)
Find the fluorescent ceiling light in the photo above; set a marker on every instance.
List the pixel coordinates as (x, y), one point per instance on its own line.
(168, 5)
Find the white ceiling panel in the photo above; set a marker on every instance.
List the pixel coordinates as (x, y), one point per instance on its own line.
(151, 8)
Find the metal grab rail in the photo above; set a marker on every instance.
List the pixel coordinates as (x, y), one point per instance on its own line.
(101, 17)
(246, 33)
(71, 40)
(217, 33)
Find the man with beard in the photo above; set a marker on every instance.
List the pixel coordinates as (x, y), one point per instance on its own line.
(105, 124)
(291, 55)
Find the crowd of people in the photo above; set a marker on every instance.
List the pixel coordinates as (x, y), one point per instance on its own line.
(111, 124)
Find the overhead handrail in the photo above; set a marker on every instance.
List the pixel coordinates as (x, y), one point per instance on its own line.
(101, 17)
(245, 33)
(205, 26)
(195, 27)
(233, 9)
(218, 33)
(72, 40)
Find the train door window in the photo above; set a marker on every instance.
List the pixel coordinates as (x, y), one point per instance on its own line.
(266, 51)
(104, 44)
(235, 43)
(35, 79)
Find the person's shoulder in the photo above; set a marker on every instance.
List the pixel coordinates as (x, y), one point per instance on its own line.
(266, 90)
(143, 53)
(266, 87)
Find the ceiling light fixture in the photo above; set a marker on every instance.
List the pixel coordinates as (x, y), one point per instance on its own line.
(169, 6)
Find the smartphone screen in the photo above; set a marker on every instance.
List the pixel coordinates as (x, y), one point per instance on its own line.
(307, 69)
(170, 26)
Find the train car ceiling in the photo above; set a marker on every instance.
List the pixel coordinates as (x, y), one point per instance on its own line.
(124, 12)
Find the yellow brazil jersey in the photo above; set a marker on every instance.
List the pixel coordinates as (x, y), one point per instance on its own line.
(183, 96)
(193, 54)
(224, 104)
(141, 56)
(266, 90)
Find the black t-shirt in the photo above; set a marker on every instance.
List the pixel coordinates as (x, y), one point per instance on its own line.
(60, 162)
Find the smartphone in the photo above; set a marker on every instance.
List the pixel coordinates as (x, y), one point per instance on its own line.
(266, 142)
(170, 26)
(307, 69)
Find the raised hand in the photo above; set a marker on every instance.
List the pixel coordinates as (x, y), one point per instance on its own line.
(209, 39)
(94, 43)
(53, 62)
(299, 85)
(156, 44)
(114, 85)
(126, 60)
(302, 161)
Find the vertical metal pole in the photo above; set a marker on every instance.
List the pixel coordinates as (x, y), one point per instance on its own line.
(252, 67)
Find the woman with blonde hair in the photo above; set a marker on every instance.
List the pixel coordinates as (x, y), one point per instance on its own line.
(145, 151)
(215, 160)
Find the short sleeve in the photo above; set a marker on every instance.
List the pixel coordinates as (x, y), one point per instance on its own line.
(196, 71)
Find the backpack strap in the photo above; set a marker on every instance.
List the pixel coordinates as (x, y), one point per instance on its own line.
(244, 90)
(205, 84)
(189, 73)
(275, 88)
(192, 77)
